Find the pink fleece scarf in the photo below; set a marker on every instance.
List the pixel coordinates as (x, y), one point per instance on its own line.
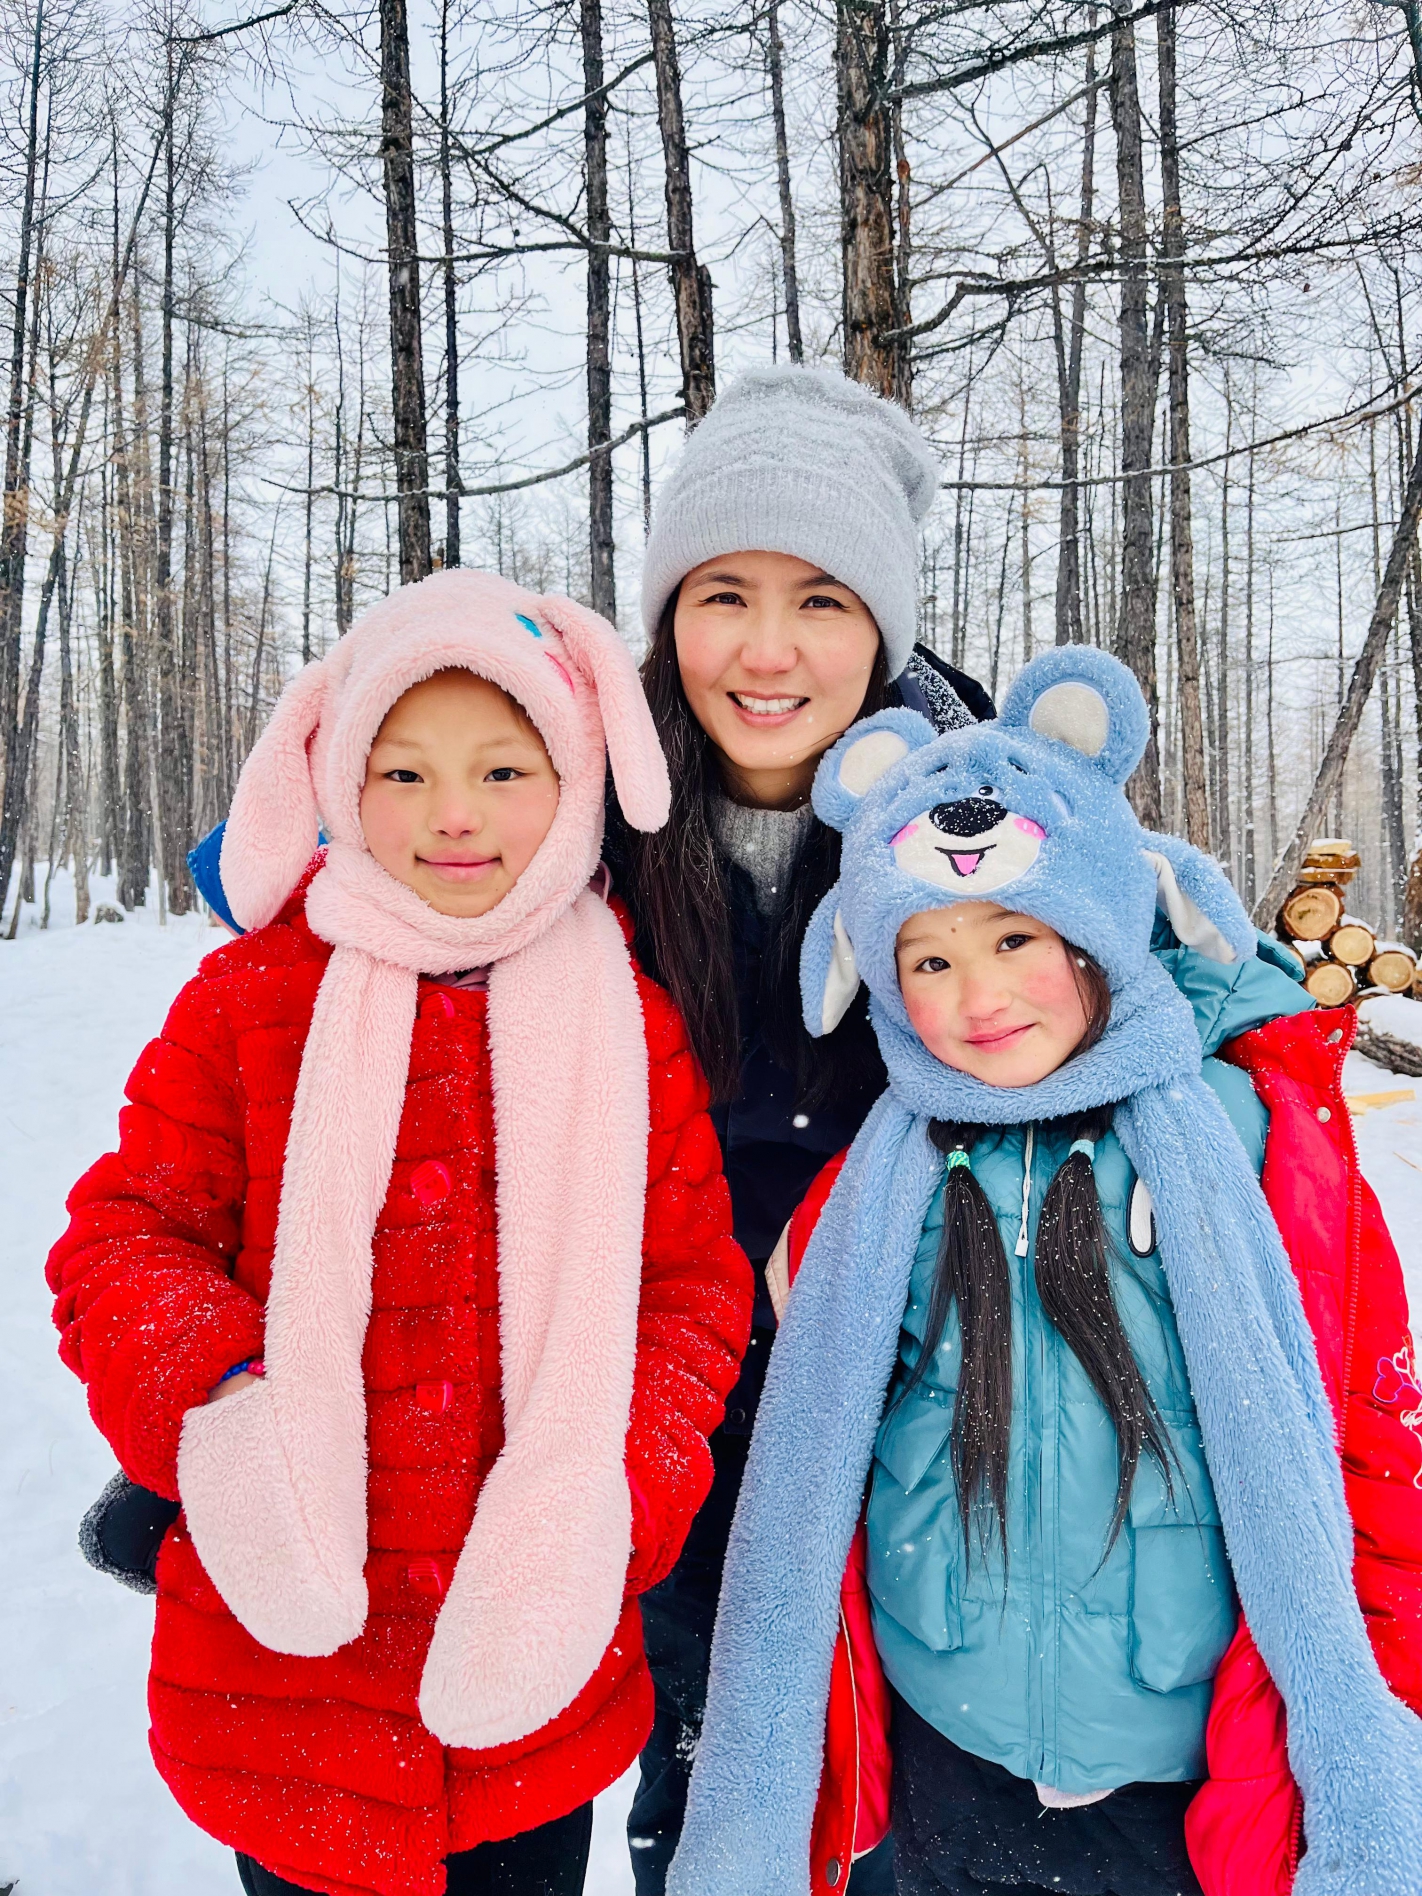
(273, 1480)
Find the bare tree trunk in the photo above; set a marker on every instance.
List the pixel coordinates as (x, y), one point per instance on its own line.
(1350, 713)
(1068, 602)
(14, 525)
(1182, 538)
(1249, 865)
(451, 308)
(872, 304)
(691, 282)
(1135, 626)
(76, 841)
(309, 498)
(1224, 801)
(407, 364)
(174, 757)
(601, 545)
(646, 443)
(775, 61)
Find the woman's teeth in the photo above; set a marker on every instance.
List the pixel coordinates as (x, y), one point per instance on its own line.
(768, 707)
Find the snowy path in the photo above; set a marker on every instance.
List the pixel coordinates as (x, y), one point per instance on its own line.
(81, 1808)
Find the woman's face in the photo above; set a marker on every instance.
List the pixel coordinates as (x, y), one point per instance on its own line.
(775, 658)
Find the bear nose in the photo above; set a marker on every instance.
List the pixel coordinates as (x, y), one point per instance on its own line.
(969, 816)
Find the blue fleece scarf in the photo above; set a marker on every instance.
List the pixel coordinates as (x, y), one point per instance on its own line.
(1033, 805)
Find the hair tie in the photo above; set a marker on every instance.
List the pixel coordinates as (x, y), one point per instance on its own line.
(1085, 1146)
(958, 1156)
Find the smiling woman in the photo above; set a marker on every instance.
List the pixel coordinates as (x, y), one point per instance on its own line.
(775, 658)
(779, 599)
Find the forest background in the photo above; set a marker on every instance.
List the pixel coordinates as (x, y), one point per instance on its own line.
(301, 303)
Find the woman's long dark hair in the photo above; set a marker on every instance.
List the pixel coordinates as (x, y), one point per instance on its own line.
(679, 891)
(1074, 1283)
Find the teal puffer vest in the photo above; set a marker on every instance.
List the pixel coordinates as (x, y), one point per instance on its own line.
(1087, 1669)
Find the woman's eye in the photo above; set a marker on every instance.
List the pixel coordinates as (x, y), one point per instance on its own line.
(504, 774)
(1014, 941)
(819, 600)
(723, 599)
(932, 964)
(403, 776)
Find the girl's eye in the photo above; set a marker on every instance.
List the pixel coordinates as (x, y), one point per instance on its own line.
(504, 774)
(819, 600)
(932, 964)
(403, 776)
(1014, 941)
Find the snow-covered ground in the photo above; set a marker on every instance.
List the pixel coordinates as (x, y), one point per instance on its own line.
(81, 1807)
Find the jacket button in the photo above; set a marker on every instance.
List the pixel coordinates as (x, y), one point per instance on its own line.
(439, 1003)
(832, 1872)
(436, 1397)
(1324, 1115)
(425, 1577)
(1335, 1036)
(430, 1182)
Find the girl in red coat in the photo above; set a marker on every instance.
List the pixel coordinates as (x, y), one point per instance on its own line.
(412, 1276)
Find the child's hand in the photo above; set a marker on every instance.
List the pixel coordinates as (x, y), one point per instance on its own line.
(232, 1385)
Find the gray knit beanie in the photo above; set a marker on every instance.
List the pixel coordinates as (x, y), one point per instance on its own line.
(806, 462)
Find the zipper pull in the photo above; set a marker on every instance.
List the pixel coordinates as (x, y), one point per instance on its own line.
(1026, 1190)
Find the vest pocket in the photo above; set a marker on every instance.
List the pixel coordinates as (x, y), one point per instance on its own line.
(915, 1563)
(1183, 1608)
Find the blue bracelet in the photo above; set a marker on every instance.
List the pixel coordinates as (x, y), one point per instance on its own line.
(237, 1369)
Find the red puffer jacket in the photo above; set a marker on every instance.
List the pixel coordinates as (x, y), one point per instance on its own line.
(1245, 1826)
(321, 1768)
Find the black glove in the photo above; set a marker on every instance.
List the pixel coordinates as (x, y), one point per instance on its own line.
(122, 1532)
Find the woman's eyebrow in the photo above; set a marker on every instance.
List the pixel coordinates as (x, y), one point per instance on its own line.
(822, 579)
(723, 579)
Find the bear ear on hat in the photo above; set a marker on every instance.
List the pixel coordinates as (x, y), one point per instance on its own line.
(639, 769)
(274, 825)
(1085, 700)
(849, 770)
(829, 972)
(1196, 898)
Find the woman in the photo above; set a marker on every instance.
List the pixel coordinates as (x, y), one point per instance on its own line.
(779, 598)
(758, 660)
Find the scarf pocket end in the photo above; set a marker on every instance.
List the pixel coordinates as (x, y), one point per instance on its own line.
(289, 1590)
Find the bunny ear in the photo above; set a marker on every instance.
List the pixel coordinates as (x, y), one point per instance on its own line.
(829, 972)
(274, 824)
(639, 770)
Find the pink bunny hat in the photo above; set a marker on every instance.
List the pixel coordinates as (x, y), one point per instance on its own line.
(274, 1479)
(566, 666)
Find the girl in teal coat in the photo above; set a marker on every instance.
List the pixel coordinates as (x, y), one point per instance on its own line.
(1047, 1315)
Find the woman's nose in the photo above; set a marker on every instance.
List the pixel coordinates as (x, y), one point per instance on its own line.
(768, 646)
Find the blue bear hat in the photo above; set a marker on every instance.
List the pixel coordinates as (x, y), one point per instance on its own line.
(1028, 811)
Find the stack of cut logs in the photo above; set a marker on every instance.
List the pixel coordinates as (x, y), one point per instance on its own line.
(1342, 957)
